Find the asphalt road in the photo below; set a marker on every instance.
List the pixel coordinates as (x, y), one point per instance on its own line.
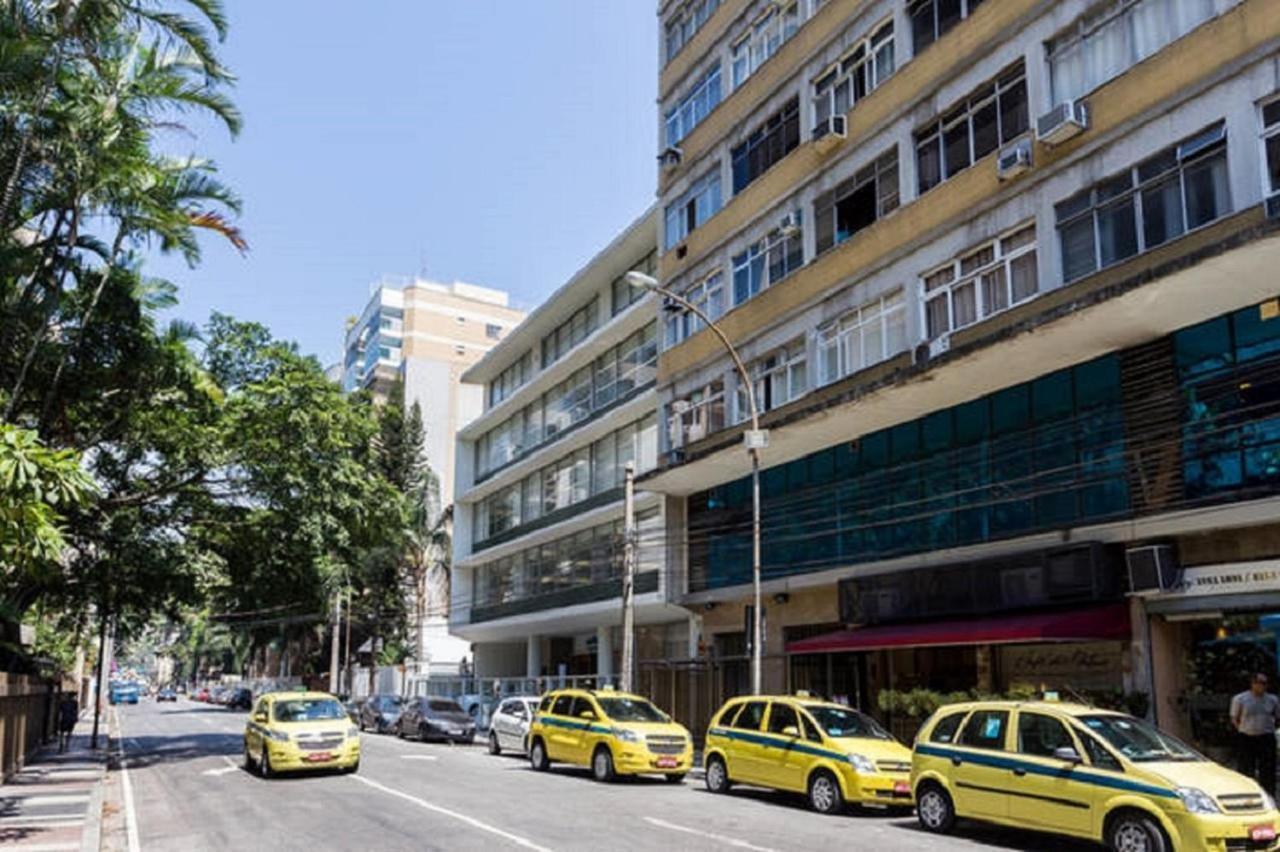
(189, 792)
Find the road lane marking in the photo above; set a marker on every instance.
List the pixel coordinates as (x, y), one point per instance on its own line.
(48, 799)
(719, 838)
(471, 821)
(418, 757)
(221, 770)
(130, 815)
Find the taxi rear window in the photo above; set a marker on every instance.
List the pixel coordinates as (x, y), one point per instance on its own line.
(985, 729)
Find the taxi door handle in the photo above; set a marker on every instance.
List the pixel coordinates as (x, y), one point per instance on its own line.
(1019, 772)
(955, 761)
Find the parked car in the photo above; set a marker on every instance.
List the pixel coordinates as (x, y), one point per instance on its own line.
(380, 713)
(1080, 771)
(435, 719)
(239, 698)
(353, 706)
(829, 752)
(123, 692)
(479, 708)
(509, 725)
(167, 694)
(202, 694)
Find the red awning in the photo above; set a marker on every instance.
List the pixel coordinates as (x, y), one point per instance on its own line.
(1078, 625)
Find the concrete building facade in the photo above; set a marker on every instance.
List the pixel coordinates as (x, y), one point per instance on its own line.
(1000, 272)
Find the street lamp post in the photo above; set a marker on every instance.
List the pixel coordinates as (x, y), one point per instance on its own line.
(755, 440)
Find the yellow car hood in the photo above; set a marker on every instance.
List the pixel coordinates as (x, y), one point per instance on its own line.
(1204, 775)
(874, 749)
(671, 729)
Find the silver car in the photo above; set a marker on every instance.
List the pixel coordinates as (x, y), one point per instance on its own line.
(509, 725)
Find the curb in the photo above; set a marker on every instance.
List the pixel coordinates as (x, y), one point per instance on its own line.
(91, 837)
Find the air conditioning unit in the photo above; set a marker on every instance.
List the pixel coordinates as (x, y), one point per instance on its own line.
(670, 157)
(1273, 206)
(1064, 121)
(789, 226)
(830, 132)
(1152, 568)
(1014, 160)
(939, 345)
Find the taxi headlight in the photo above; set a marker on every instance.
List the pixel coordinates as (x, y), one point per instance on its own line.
(861, 763)
(625, 736)
(276, 736)
(1268, 802)
(1197, 801)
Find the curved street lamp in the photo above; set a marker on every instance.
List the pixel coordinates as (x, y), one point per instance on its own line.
(755, 440)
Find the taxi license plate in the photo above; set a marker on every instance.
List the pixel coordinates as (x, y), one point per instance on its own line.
(319, 757)
(901, 787)
(1262, 832)
(667, 763)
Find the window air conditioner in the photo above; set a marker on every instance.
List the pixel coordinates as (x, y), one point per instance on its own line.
(1273, 206)
(830, 132)
(1152, 568)
(939, 345)
(789, 226)
(670, 157)
(1014, 160)
(1064, 121)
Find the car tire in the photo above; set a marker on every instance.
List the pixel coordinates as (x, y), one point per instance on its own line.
(264, 764)
(1133, 831)
(675, 777)
(422, 733)
(602, 765)
(934, 808)
(538, 756)
(717, 776)
(824, 793)
(352, 769)
(494, 746)
(249, 765)
(399, 731)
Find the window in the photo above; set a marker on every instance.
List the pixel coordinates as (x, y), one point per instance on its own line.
(781, 717)
(698, 204)
(993, 115)
(684, 23)
(864, 336)
(510, 379)
(779, 378)
(696, 105)
(985, 729)
(776, 137)
(932, 19)
(981, 282)
(945, 730)
(859, 72)
(1107, 42)
(570, 333)
(1099, 755)
(768, 261)
(697, 415)
(766, 35)
(1175, 191)
(708, 296)
(626, 294)
(562, 706)
(492, 331)
(868, 196)
(1271, 145)
(751, 716)
(1042, 735)
(582, 705)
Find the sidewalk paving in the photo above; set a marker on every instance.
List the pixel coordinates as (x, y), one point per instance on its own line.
(55, 802)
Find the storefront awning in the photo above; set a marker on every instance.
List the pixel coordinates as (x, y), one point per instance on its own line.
(1078, 625)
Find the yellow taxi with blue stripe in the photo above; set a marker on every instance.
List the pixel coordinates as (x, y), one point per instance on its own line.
(288, 731)
(613, 733)
(1076, 770)
(829, 752)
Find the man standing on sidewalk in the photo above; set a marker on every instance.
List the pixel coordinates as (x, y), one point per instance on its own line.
(68, 715)
(1254, 714)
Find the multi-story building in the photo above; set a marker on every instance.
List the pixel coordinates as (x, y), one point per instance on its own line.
(422, 336)
(538, 524)
(1002, 274)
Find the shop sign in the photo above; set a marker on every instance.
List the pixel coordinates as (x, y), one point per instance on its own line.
(1231, 579)
(1079, 663)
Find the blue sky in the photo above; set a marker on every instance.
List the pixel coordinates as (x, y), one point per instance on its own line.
(501, 142)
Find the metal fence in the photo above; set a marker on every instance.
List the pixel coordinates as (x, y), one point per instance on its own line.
(28, 707)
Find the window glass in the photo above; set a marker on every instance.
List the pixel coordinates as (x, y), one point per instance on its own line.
(992, 115)
(782, 716)
(811, 731)
(1099, 755)
(582, 705)
(985, 729)
(751, 716)
(945, 730)
(1042, 735)
(563, 706)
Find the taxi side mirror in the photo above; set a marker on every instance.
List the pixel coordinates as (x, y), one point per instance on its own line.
(586, 714)
(260, 716)
(791, 731)
(1067, 754)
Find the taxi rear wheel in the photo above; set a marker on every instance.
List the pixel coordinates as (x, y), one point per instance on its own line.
(824, 793)
(538, 756)
(934, 809)
(1132, 831)
(264, 763)
(602, 764)
(494, 747)
(248, 759)
(717, 776)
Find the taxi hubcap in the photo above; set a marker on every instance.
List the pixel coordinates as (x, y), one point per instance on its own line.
(602, 764)
(823, 794)
(715, 774)
(1132, 838)
(931, 809)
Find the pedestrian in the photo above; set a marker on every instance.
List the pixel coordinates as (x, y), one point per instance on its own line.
(68, 715)
(1254, 714)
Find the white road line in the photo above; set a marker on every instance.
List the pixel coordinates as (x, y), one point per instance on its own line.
(471, 821)
(221, 770)
(719, 838)
(418, 757)
(130, 815)
(50, 799)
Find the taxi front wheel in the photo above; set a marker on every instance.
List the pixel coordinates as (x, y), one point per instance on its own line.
(538, 756)
(717, 776)
(824, 793)
(934, 809)
(1135, 832)
(602, 764)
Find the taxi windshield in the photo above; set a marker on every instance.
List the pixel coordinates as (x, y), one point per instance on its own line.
(630, 710)
(1137, 740)
(308, 710)
(843, 722)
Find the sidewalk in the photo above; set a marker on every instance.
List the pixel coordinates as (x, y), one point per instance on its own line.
(55, 803)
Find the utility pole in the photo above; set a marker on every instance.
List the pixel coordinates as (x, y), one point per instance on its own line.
(628, 578)
(336, 643)
(351, 686)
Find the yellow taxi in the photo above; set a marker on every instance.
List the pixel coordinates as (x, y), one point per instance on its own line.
(1076, 770)
(830, 752)
(289, 731)
(614, 733)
